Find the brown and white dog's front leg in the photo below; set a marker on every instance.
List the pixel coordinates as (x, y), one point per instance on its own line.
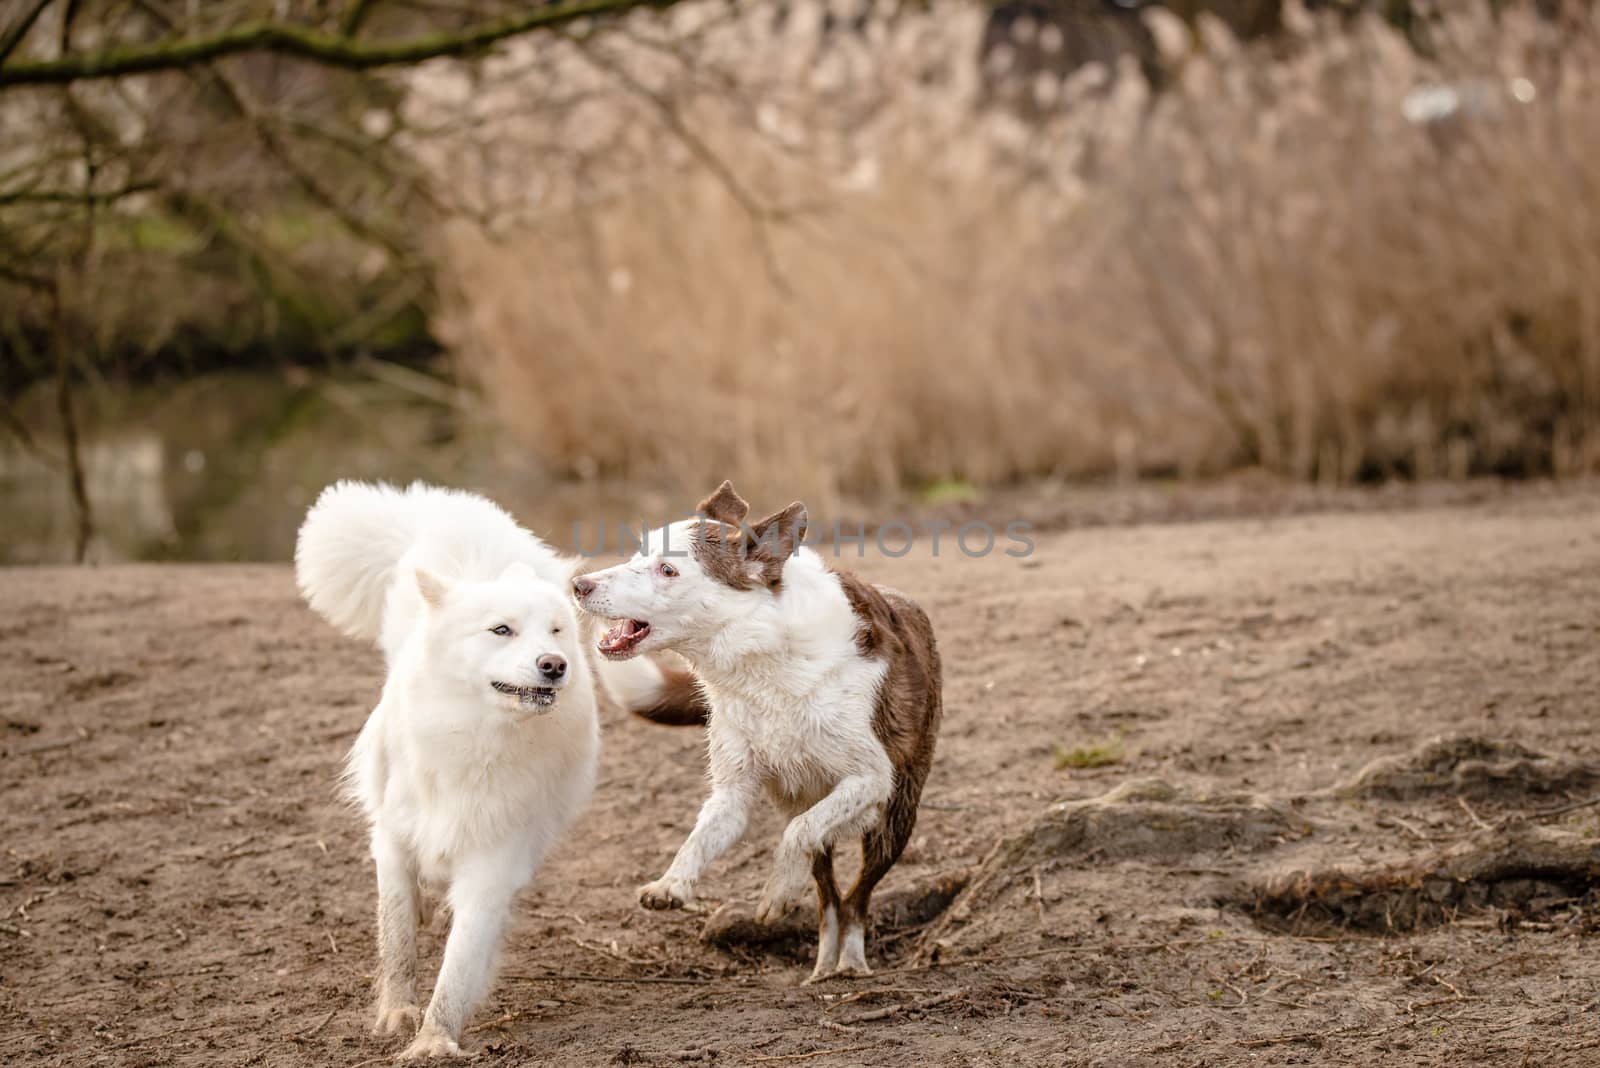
(853, 805)
(719, 827)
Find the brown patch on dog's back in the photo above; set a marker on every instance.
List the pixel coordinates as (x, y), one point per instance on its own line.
(893, 628)
(890, 626)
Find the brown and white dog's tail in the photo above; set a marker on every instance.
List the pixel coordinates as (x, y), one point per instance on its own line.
(660, 693)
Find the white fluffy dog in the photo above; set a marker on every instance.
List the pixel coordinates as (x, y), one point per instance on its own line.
(484, 744)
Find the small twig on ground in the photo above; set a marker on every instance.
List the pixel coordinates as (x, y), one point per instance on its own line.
(46, 747)
(1560, 810)
(1473, 816)
(848, 999)
(1240, 994)
(209, 1025)
(1412, 830)
(317, 1030)
(1455, 996)
(1038, 894)
(227, 858)
(995, 958)
(573, 977)
(697, 1053)
(1314, 1037)
(1166, 1047)
(808, 1056)
(894, 1010)
(614, 954)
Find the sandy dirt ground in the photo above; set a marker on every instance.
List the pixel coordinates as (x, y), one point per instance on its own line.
(181, 886)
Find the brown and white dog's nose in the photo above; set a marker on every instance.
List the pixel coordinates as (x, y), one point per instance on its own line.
(582, 586)
(552, 667)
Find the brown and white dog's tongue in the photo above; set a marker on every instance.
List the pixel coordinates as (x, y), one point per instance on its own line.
(623, 637)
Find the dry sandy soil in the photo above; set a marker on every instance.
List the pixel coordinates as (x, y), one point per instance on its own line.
(180, 885)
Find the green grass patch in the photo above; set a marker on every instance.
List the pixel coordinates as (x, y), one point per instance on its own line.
(1091, 755)
(949, 491)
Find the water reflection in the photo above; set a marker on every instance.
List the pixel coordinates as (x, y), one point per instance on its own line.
(223, 466)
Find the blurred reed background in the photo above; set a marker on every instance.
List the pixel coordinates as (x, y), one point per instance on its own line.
(858, 253)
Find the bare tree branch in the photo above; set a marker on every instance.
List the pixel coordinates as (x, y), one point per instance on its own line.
(16, 276)
(330, 49)
(66, 196)
(12, 35)
(359, 10)
(761, 215)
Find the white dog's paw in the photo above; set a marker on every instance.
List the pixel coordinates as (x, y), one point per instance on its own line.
(392, 1018)
(665, 893)
(431, 1042)
(785, 888)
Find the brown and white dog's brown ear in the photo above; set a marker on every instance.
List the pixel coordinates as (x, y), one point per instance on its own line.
(725, 506)
(776, 538)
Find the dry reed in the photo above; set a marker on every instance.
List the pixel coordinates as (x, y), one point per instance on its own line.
(727, 244)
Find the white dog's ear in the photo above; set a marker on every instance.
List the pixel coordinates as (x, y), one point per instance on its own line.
(432, 587)
(520, 572)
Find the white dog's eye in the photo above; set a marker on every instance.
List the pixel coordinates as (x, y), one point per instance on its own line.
(555, 630)
(502, 630)
(667, 570)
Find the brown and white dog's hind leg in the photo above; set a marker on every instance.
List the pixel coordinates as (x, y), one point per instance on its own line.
(880, 848)
(827, 917)
(853, 803)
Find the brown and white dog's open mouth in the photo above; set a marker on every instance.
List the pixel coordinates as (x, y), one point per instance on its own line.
(622, 640)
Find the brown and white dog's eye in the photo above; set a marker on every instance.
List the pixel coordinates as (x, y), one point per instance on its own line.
(667, 570)
(502, 630)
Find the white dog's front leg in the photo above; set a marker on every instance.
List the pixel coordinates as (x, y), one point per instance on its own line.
(397, 935)
(480, 899)
(719, 827)
(851, 807)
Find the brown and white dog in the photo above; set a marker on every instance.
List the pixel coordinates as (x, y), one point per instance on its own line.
(819, 689)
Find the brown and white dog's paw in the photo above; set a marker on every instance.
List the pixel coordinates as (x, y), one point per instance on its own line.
(404, 1018)
(665, 893)
(432, 1042)
(819, 974)
(852, 971)
(787, 886)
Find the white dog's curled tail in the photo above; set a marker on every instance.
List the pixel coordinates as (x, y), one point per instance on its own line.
(345, 556)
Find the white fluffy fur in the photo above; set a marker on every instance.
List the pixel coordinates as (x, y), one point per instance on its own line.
(792, 702)
(465, 787)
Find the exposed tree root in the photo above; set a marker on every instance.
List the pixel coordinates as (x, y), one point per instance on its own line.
(1526, 873)
(1467, 766)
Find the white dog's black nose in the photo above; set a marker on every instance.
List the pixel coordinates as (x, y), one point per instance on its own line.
(583, 587)
(552, 667)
